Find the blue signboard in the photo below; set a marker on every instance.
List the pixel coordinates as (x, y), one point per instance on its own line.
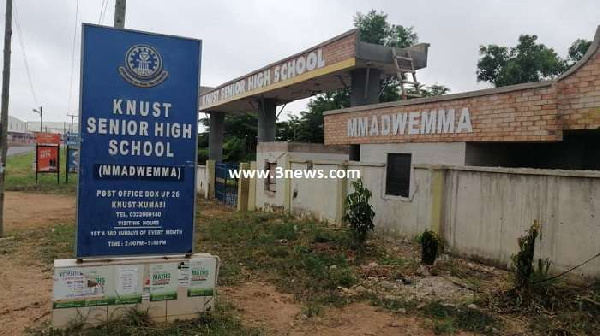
(72, 160)
(72, 140)
(138, 133)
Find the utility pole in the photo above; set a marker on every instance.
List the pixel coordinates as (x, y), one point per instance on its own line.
(40, 111)
(4, 111)
(120, 9)
(73, 116)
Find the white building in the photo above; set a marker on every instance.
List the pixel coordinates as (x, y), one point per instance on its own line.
(60, 127)
(16, 125)
(18, 133)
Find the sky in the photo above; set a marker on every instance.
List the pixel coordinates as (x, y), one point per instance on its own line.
(244, 35)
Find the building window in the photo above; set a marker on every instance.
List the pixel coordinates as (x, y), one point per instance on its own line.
(270, 183)
(397, 181)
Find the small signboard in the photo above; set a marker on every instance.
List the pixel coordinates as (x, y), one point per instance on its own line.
(72, 160)
(47, 138)
(138, 130)
(202, 281)
(47, 159)
(72, 142)
(163, 282)
(47, 154)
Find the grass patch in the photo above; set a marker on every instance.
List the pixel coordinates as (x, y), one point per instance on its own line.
(20, 176)
(302, 257)
(393, 305)
(8, 245)
(221, 322)
(47, 244)
(312, 310)
(449, 319)
(554, 308)
(59, 243)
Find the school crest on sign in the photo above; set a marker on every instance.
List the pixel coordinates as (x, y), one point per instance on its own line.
(143, 67)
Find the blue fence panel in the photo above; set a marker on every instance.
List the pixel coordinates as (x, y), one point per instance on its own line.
(226, 186)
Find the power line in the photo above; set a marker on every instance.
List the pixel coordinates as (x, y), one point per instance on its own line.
(103, 7)
(73, 58)
(24, 52)
(101, 10)
(569, 270)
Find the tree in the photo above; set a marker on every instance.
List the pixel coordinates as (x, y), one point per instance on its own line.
(373, 28)
(528, 61)
(287, 130)
(430, 91)
(578, 49)
(239, 139)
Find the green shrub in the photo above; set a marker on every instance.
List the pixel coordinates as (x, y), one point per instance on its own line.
(285, 231)
(523, 260)
(359, 213)
(430, 244)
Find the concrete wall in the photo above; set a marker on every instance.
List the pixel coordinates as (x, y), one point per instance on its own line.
(481, 212)
(321, 198)
(264, 199)
(390, 209)
(395, 214)
(486, 210)
(202, 181)
(450, 153)
(286, 154)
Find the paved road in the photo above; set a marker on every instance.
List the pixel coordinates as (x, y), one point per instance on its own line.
(19, 150)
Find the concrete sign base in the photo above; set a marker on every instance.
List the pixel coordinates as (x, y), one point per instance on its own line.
(168, 288)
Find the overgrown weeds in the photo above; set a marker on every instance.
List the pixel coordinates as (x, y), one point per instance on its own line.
(221, 322)
(523, 260)
(316, 263)
(555, 307)
(56, 242)
(450, 318)
(302, 257)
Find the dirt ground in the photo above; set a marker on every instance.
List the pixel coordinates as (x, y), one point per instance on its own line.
(20, 273)
(262, 306)
(31, 211)
(26, 287)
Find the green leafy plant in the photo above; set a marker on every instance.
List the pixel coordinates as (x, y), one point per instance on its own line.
(430, 243)
(359, 213)
(523, 260)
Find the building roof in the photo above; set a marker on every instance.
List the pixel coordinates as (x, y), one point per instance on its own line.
(523, 112)
(484, 92)
(339, 55)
